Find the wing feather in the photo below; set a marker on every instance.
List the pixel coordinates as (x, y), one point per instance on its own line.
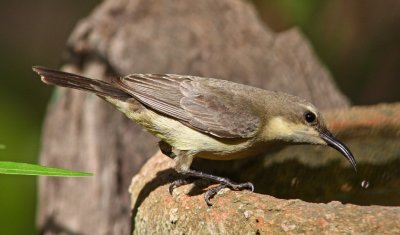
(194, 101)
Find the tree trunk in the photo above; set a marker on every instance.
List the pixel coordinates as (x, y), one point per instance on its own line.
(223, 39)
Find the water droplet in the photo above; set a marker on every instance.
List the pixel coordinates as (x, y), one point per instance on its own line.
(365, 184)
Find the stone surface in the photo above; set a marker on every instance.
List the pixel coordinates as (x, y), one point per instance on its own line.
(155, 211)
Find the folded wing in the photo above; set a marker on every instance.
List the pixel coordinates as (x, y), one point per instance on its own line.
(194, 101)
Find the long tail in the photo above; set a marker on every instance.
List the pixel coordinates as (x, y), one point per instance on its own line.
(59, 78)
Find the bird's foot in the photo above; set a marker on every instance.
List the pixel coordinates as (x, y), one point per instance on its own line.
(225, 183)
(179, 182)
(234, 186)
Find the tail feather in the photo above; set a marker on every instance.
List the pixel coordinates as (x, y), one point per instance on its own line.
(59, 78)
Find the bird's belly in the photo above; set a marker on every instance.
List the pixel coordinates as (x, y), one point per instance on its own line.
(182, 137)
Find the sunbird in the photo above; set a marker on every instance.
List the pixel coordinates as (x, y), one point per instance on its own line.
(207, 118)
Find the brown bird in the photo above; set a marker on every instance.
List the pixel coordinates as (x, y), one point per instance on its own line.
(207, 118)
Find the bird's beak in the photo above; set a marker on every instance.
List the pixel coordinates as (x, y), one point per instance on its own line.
(339, 146)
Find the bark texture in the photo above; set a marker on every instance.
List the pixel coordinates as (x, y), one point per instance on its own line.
(222, 39)
(155, 211)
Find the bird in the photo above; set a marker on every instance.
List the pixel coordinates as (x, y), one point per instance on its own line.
(199, 117)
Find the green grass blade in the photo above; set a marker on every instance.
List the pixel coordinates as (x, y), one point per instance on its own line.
(17, 168)
(2, 146)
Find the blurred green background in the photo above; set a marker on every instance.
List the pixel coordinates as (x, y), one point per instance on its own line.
(359, 41)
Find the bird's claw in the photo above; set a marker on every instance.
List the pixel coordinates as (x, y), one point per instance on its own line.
(237, 187)
(247, 185)
(177, 183)
(211, 193)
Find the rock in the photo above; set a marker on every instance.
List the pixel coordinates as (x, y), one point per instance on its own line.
(254, 213)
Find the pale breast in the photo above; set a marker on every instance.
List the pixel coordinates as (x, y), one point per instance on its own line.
(181, 136)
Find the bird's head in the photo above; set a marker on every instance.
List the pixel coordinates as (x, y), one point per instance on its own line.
(297, 121)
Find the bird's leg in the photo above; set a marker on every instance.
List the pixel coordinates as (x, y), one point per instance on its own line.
(225, 183)
(184, 160)
(167, 150)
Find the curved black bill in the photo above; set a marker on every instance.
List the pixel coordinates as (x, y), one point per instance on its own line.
(339, 146)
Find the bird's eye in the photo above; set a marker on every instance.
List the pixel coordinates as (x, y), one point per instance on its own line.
(310, 117)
